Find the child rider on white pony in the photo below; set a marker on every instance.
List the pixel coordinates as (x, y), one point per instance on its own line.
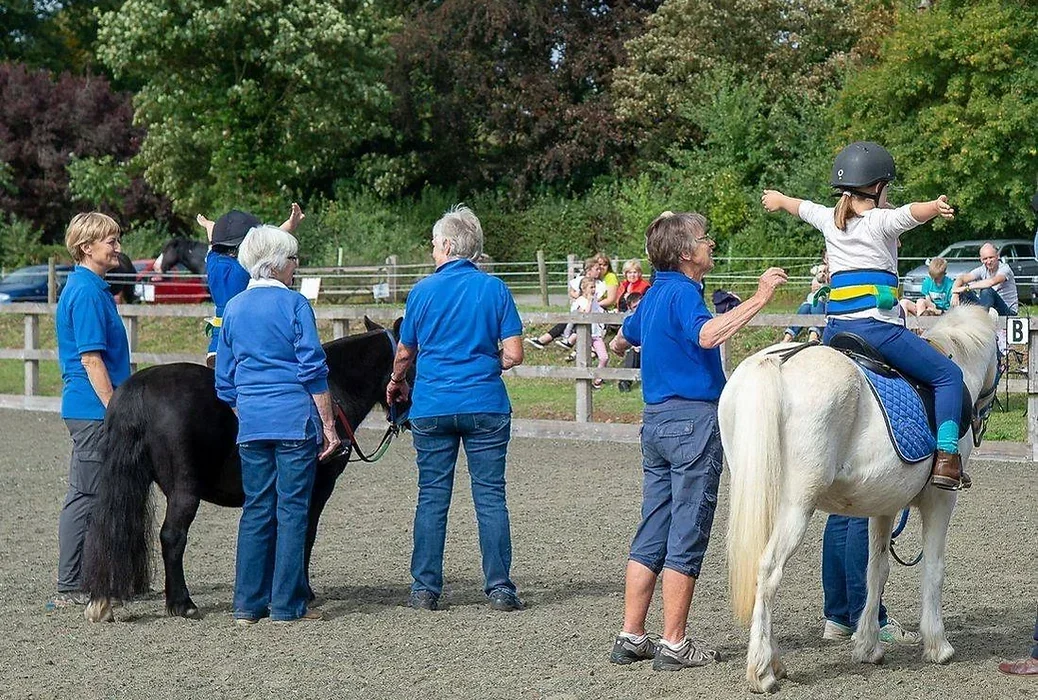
(861, 239)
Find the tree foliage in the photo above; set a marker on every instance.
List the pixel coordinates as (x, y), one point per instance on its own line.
(517, 94)
(58, 35)
(785, 47)
(45, 122)
(953, 94)
(250, 98)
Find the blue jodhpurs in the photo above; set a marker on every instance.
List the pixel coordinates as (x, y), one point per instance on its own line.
(907, 352)
(806, 308)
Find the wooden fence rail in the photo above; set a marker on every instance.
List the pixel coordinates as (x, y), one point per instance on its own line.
(347, 318)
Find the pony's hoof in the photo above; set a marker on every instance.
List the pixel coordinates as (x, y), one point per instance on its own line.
(942, 654)
(187, 610)
(767, 683)
(778, 668)
(868, 654)
(99, 610)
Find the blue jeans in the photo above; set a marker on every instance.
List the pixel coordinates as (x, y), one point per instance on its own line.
(436, 442)
(804, 309)
(681, 465)
(989, 299)
(845, 558)
(904, 350)
(277, 477)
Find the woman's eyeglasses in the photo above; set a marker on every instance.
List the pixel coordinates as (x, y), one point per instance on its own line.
(293, 258)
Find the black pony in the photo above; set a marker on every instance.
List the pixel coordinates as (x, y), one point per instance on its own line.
(123, 280)
(187, 251)
(166, 425)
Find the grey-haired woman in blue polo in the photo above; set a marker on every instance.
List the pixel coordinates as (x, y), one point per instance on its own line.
(463, 327)
(95, 359)
(682, 380)
(271, 368)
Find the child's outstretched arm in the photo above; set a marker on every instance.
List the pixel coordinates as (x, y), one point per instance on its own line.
(207, 224)
(924, 211)
(293, 219)
(773, 200)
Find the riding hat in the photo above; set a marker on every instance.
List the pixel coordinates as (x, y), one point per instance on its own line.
(861, 164)
(230, 229)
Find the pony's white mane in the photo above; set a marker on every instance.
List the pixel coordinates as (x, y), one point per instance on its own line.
(968, 331)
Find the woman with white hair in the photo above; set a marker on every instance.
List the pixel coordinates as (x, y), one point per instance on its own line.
(270, 367)
(462, 327)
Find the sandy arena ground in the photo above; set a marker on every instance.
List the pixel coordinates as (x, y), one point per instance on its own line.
(574, 507)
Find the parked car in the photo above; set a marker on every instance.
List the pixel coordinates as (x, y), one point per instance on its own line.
(30, 283)
(965, 256)
(176, 286)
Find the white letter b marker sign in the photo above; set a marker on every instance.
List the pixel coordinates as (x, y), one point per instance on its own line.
(1017, 330)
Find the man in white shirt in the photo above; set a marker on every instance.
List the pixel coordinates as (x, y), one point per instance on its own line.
(992, 285)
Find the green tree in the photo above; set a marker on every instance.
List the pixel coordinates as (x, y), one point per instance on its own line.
(250, 99)
(786, 46)
(953, 94)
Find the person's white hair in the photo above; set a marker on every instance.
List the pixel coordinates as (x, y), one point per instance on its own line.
(460, 226)
(265, 250)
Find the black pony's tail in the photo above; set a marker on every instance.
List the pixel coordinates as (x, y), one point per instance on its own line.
(116, 555)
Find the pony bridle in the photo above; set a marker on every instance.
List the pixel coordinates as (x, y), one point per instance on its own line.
(392, 430)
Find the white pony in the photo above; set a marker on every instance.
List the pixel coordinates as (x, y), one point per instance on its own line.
(807, 434)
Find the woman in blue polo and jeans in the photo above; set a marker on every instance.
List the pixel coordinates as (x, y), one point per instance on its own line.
(682, 380)
(271, 369)
(462, 326)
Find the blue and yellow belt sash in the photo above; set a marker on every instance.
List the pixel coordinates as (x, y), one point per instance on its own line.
(212, 323)
(861, 290)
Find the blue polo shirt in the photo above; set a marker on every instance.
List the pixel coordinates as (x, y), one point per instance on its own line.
(666, 325)
(226, 278)
(87, 321)
(456, 317)
(270, 363)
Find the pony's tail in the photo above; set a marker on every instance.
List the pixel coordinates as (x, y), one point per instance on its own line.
(116, 556)
(750, 411)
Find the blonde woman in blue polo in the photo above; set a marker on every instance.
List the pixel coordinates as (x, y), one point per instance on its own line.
(95, 359)
(271, 368)
(682, 381)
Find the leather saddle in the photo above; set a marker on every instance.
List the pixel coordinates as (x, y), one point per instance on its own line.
(862, 353)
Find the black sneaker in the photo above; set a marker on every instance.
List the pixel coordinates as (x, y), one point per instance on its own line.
(565, 345)
(689, 655)
(504, 600)
(534, 342)
(423, 600)
(626, 651)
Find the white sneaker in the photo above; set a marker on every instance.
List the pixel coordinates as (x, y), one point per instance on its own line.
(836, 631)
(894, 633)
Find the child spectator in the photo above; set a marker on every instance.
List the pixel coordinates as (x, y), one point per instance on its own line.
(633, 357)
(937, 290)
(813, 304)
(633, 284)
(561, 332)
(586, 303)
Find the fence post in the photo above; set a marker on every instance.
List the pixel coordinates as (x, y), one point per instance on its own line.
(32, 365)
(52, 280)
(1032, 392)
(542, 276)
(391, 277)
(340, 328)
(572, 268)
(584, 406)
(130, 324)
(724, 358)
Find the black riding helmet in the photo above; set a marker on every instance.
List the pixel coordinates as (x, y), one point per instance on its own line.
(230, 229)
(861, 164)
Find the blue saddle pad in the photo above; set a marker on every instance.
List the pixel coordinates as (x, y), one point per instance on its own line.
(905, 416)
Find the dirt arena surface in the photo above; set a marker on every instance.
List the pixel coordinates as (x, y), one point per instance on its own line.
(574, 507)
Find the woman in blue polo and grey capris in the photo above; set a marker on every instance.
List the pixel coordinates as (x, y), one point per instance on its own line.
(682, 380)
(270, 367)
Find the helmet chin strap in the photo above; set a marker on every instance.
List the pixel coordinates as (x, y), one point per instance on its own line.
(842, 192)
